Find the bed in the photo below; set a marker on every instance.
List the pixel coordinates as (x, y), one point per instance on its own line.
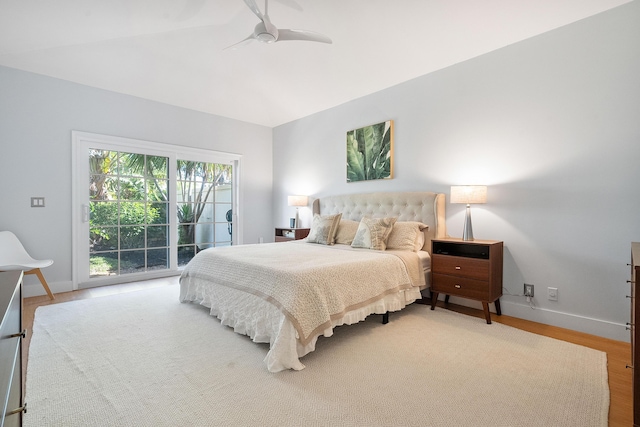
(363, 256)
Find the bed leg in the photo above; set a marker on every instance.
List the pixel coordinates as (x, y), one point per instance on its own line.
(385, 318)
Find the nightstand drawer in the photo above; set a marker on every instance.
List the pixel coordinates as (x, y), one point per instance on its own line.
(460, 266)
(460, 286)
(289, 234)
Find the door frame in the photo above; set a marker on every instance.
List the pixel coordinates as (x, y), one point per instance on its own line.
(81, 142)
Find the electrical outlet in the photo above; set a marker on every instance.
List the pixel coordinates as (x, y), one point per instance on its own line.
(528, 290)
(552, 294)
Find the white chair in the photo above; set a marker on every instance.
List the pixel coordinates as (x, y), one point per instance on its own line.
(13, 256)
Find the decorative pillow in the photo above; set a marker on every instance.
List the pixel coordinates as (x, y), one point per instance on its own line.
(323, 229)
(373, 232)
(407, 236)
(346, 231)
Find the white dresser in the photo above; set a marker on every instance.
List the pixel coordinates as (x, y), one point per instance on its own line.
(11, 335)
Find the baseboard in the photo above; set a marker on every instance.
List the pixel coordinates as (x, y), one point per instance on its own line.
(588, 325)
(35, 289)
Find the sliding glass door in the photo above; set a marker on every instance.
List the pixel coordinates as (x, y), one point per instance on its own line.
(205, 213)
(128, 213)
(144, 209)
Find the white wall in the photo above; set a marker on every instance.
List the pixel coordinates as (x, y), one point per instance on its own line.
(37, 115)
(551, 124)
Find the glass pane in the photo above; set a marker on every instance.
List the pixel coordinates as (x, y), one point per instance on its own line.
(132, 237)
(224, 171)
(103, 264)
(157, 167)
(185, 213)
(223, 212)
(157, 213)
(186, 234)
(102, 161)
(97, 187)
(157, 190)
(204, 235)
(223, 193)
(103, 213)
(157, 259)
(222, 233)
(111, 187)
(185, 170)
(132, 189)
(185, 253)
(207, 193)
(103, 239)
(157, 236)
(132, 213)
(131, 262)
(206, 212)
(185, 192)
(229, 173)
(131, 164)
(199, 170)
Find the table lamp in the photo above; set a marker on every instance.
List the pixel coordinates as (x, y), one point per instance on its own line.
(298, 201)
(468, 194)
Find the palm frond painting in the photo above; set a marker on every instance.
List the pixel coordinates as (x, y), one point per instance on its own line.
(370, 152)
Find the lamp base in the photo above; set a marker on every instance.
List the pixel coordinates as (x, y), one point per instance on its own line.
(467, 232)
(297, 223)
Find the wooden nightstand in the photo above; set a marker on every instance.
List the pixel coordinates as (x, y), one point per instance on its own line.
(468, 269)
(288, 234)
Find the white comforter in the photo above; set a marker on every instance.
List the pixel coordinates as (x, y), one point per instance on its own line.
(288, 294)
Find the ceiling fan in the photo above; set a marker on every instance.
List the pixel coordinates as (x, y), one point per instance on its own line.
(266, 32)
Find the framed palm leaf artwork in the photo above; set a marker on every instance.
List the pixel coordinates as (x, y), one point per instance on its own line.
(370, 152)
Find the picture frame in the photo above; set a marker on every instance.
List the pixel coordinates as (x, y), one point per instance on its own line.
(370, 152)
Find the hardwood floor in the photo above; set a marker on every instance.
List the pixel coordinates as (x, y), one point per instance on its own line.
(618, 353)
(618, 357)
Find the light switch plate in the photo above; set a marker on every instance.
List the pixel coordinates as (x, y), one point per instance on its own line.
(37, 202)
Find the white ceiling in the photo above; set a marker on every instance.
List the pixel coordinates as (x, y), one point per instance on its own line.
(171, 51)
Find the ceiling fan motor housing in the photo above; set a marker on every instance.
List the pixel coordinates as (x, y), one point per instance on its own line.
(265, 32)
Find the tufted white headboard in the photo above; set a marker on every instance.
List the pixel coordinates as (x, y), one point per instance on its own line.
(425, 207)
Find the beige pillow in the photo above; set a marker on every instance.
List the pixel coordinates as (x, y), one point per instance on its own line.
(407, 236)
(373, 233)
(323, 229)
(346, 231)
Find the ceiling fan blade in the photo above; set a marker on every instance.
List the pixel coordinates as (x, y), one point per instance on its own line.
(303, 35)
(241, 43)
(293, 4)
(254, 8)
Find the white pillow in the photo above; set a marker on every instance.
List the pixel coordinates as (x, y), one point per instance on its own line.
(407, 236)
(419, 242)
(373, 233)
(323, 229)
(346, 231)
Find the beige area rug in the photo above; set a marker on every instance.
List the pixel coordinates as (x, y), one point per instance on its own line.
(144, 359)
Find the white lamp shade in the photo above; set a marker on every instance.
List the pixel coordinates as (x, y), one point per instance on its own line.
(469, 194)
(298, 200)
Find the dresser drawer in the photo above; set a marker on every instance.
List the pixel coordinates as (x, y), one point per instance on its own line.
(460, 286)
(9, 340)
(460, 266)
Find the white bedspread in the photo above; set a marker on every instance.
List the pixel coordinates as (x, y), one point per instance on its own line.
(288, 294)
